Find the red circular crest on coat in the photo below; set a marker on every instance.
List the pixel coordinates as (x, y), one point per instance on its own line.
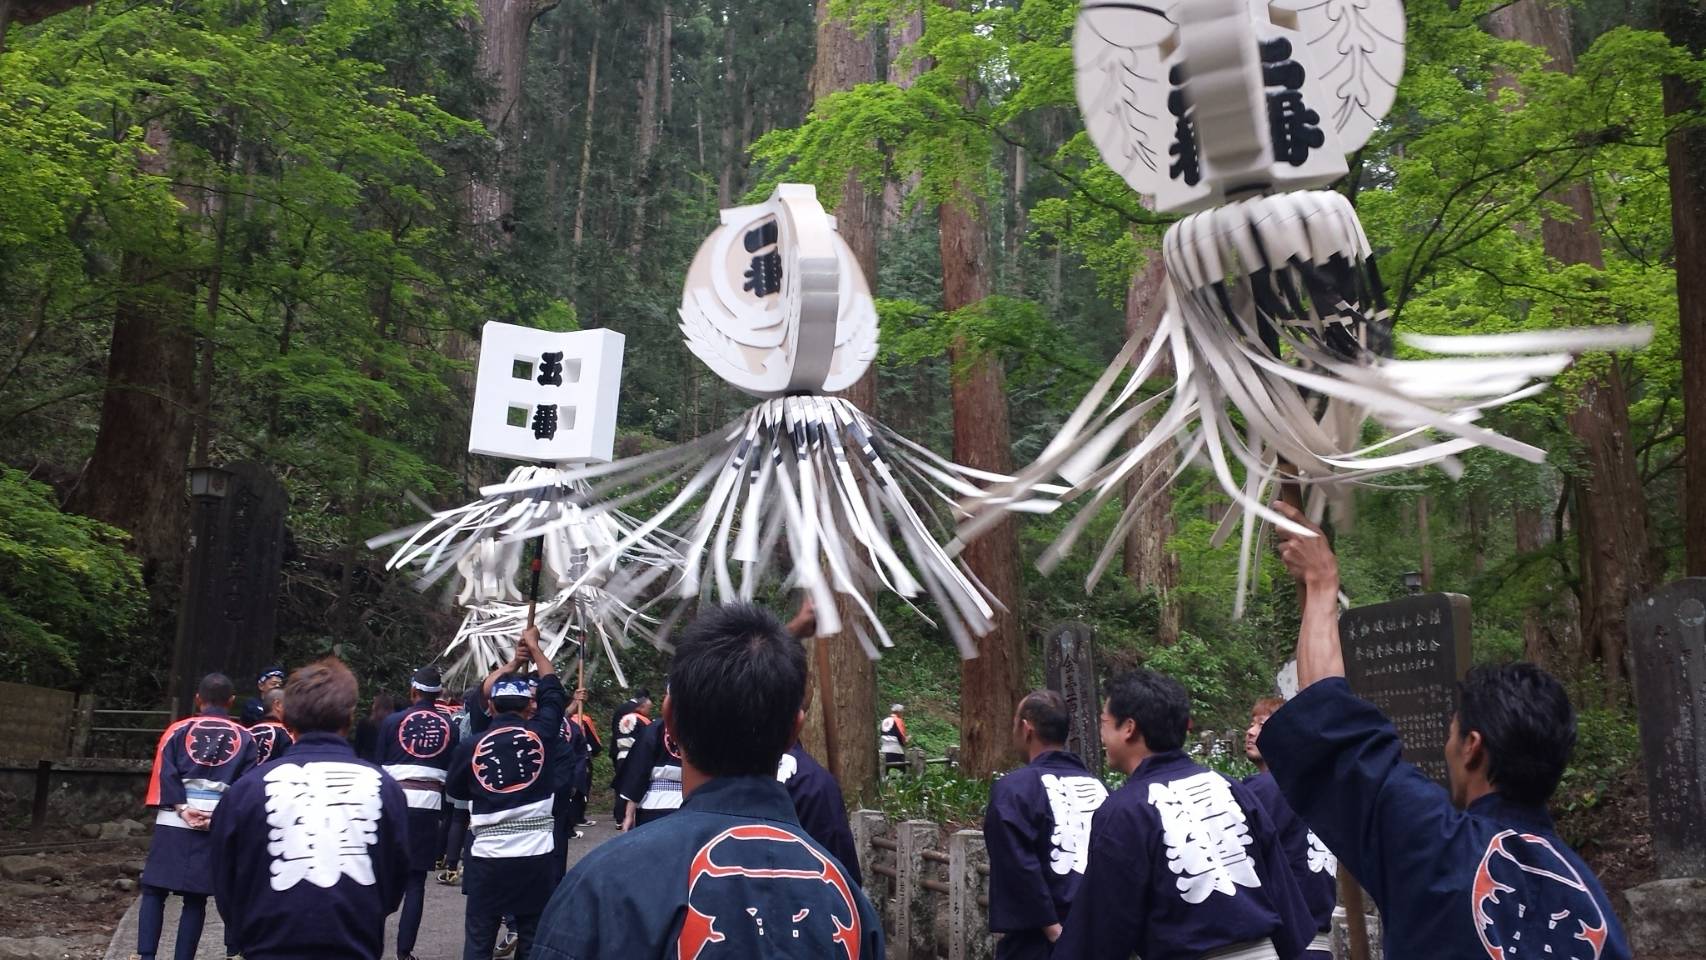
(508, 759)
(213, 741)
(423, 734)
(710, 918)
(1522, 881)
(669, 745)
(269, 736)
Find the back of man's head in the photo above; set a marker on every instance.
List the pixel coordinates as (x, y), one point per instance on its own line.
(511, 693)
(1045, 711)
(215, 690)
(1527, 724)
(320, 698)
(1156, 703)
(271, 700)
(736, 686)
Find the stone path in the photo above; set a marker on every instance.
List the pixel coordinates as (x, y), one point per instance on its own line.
(441, 921)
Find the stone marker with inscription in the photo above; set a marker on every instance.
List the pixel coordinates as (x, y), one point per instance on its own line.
(228, 615)
(1667, 640)
(1405, 656)
(1070, 669)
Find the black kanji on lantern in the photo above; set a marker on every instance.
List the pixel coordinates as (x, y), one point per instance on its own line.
(551, 369)
(1294, 128)
(764, 274)
(545, 421)
(1187, 163)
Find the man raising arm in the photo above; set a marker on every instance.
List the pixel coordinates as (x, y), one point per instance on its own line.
(1476, 871)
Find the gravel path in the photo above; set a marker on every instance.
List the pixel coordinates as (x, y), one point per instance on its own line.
(441, 922)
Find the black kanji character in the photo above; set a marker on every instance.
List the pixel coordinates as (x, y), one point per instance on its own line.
(764, 277)
(1188, 166)
(545, 421)
(760, 237)
(551, 369)
(1294, 128)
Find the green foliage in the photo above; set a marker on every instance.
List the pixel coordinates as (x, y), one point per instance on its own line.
(1608, 750)
(940, 795)
(66, 584)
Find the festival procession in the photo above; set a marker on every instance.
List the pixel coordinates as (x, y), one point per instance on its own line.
(853, 479)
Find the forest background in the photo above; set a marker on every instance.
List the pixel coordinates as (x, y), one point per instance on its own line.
(270, 230)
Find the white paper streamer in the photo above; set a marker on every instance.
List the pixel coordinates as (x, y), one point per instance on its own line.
(857, 507)
(1276, 320)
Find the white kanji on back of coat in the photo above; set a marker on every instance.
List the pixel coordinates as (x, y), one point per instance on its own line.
(1071, 801)
(1206, 833)
(1321, 860)
(322, 818)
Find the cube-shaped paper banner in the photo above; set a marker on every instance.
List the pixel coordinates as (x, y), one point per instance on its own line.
(545, 396)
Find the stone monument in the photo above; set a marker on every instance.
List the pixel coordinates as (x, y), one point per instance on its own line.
(1405, 657)
(228, 615)
(1070, 670)
(1667, 639)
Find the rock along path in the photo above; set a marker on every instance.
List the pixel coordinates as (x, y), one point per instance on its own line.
(441, 921)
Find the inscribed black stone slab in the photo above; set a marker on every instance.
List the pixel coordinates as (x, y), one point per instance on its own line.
(35, 722)
(1405, 657)
(1070, 670)
(1667, 637)
(229, 614)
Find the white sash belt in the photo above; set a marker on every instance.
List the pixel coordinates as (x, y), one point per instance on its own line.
(1253, 950)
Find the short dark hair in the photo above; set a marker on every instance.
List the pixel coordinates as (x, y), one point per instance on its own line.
(1046, 712)
(320, 698)
(1526, 721)
(1157, 703)
(735, 690)
(215, 690)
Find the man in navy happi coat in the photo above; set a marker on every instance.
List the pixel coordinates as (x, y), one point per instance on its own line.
(311, 851)
(1476, 871)
(626, 728)
(650, 781)
(508, 774)
(1314, 866)
(415, 746)
(195, 763)
(731, 875)
(272, 737)
(1183, 861)
(1037, 830)
(820, 807)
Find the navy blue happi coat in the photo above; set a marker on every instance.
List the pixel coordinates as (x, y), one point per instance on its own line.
(651, 776)
(272, 739)
(195, 763)
(414, 746)
(1314, 866)
(1037, 830)
(730, 876)
(310, 854)
(507, 773)
(818, 804)
(1493, 881)
(1183, 862)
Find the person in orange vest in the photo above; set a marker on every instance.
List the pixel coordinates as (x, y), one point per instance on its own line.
(892, 738)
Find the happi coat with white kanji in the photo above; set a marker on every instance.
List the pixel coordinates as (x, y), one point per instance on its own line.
(1183, 862)
(310, 854)
(1037, 830)
(820, 807)
(1312, 864)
